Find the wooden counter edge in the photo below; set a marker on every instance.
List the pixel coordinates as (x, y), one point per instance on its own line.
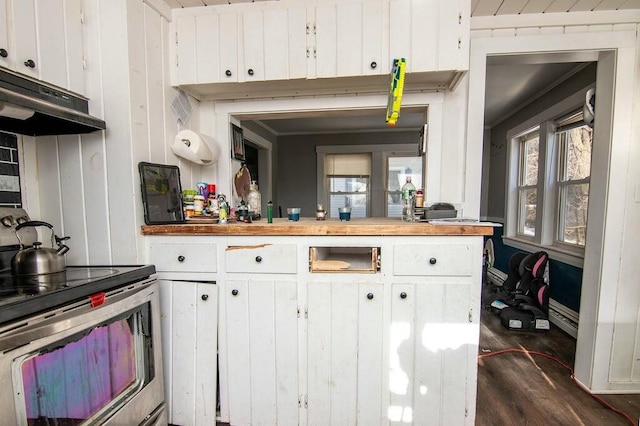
(287, 229)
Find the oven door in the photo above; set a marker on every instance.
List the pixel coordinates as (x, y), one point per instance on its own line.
(81, 364)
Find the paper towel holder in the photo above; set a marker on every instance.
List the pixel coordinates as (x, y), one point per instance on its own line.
(194, 147)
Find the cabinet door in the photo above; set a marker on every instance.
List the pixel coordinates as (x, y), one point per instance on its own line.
(261, 331)
(253, 52)
(52, 58)
(6, 53)
(24, 31)
(432, 352)
(189, 350)
(284, 34)
(345, 353)
(429, 34)
(349, 39)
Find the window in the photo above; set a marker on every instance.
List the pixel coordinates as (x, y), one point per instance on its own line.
(549, 181)
(574, 141)
(398, 168)
(365, 177)
(529, 148)
(348, 177)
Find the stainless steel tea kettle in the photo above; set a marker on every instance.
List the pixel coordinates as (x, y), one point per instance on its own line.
(38, 260)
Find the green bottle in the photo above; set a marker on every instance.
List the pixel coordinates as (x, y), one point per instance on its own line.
(269, 212)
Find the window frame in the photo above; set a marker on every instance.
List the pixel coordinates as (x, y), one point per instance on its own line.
(379, 154)
(547, 216)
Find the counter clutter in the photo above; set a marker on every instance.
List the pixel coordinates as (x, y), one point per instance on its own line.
(311, 226)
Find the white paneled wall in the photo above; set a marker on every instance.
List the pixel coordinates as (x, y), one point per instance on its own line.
(88, 186)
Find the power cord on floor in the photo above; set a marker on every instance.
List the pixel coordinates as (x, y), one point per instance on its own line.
(568, 367)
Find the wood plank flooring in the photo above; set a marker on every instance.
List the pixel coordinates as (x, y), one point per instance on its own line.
(518, 389)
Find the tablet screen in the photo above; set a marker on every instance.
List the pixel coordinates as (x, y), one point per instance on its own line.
(161, 193)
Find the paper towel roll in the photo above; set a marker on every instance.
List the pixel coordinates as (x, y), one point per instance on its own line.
(200, 149)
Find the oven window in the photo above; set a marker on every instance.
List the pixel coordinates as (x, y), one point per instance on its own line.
(88, 376)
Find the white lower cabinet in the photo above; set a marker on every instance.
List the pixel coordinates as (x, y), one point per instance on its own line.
(433, 341)
(189, 312)
(345, 353)
(261, 335)
(393, 343)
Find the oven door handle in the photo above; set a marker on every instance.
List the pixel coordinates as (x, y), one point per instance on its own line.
(80, 314)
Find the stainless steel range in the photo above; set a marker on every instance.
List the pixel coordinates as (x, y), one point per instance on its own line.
(78, 347)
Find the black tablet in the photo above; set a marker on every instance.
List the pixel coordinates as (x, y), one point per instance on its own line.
(161, 193)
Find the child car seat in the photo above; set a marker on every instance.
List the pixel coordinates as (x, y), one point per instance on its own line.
(523, 300)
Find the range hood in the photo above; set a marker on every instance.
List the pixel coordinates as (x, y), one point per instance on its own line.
(32, 107)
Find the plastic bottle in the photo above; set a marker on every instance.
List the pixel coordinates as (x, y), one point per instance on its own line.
(269, 212)
(408, 200)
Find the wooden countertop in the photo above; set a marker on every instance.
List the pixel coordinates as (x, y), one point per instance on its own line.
(311, 226)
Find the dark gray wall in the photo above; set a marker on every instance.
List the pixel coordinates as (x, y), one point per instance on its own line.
(295, 175)
(498, 161)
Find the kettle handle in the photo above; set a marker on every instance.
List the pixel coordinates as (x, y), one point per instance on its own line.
(33, 223)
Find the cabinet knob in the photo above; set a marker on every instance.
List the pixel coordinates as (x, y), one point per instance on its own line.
(250, 71)
(29, 63)
(370, 296)
(4, 53)
(180, 258)
(227, 73)
(234, 292)
(374, 65)
(258, 259)
(204, 297)
(403, 295)
(432, 261)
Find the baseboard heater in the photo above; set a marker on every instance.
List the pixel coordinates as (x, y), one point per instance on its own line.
(562, 317)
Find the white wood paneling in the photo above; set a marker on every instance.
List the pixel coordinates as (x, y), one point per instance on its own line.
(584, 5)
(4, 35)
(538, 6)
(253, 46)
(559, 6)
(511, 7)
(52, 49)
(154, 71)
(74, 42)
(25, 40)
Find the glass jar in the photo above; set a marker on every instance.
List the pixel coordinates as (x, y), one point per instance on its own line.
(253, 199)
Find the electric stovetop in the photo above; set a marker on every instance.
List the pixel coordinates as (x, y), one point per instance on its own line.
(21, 296)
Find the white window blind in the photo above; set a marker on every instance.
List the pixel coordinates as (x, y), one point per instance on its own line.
(347, 164)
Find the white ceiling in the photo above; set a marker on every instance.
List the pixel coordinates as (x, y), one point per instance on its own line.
(511, 81)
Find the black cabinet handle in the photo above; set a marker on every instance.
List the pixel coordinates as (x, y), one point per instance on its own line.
(403, 295)
(180, 258)
(234, 292)
(227, 73)
(204, 297)
(432, 261)
(370, 296)
(4, 53)
(374, 65)
(29, 63)
(250, 71)
(258, 259)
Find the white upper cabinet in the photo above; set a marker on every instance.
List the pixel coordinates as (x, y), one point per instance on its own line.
(350, 39)
(227, 44)
(432, 35)
(5, 57)
(43, 39)
(293, 40)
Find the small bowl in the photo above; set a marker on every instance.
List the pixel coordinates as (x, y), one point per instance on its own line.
(293, 214)
(344, 213)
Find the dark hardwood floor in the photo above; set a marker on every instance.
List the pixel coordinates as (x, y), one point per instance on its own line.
(515, 388)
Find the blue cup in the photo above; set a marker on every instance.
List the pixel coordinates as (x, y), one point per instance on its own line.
(344, 213)
(293, 214)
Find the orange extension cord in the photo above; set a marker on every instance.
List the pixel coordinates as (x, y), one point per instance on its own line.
(596, 397)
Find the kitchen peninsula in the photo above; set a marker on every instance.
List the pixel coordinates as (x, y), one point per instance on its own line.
(372, 321)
